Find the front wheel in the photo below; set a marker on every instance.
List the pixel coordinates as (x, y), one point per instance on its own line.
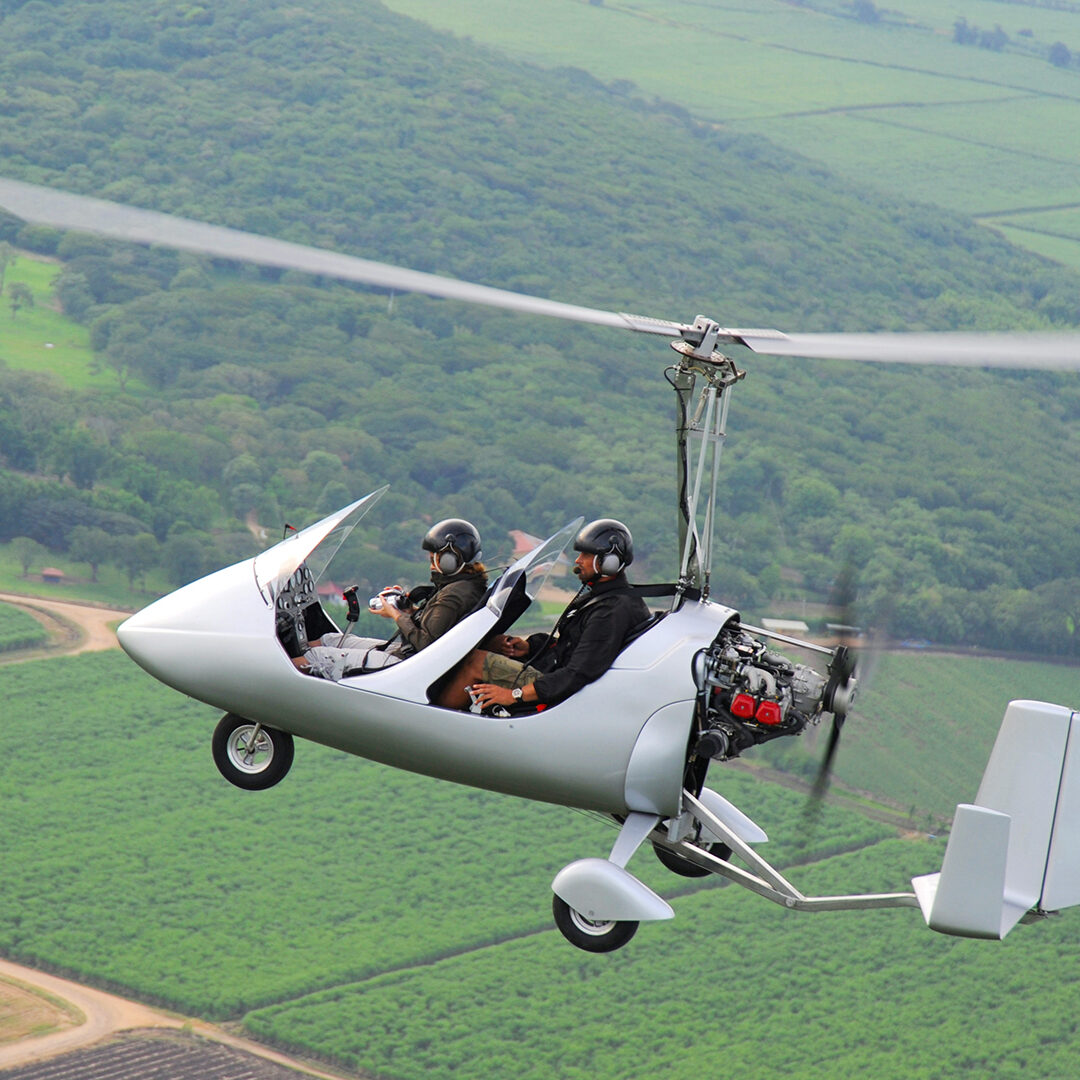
(249, 755)
(590, 935)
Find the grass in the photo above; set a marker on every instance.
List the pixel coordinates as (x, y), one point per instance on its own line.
(41, 338)
(401, 925)
(922, 730)
(18, 630)
(1057, 248)
(111, 589)
(733, 987)
(136, 865)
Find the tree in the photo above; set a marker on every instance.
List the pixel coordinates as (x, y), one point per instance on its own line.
(19, 295)
(28, 551)
(78, 454)
(91, 545)
(186, 556)
(1060, 54)
(136, 554)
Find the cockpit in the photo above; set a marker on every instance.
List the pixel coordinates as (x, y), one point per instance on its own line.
(289, 575)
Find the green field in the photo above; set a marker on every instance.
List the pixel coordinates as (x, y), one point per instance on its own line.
(923, 728)
(400, 925)
(193, 893)
(733, 987)
(897, 104)
(111, 588)
(19, 630)
(40, 338)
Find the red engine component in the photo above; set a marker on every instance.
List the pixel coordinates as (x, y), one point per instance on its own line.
(743, 706)
(768, 712)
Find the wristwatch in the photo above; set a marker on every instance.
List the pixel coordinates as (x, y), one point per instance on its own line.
(516, 693)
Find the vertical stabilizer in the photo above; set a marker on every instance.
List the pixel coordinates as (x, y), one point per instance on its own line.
(1015, 848)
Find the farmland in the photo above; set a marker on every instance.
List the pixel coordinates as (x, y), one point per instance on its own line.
(40, 338)
(18, 630)
(892, 101)
(400, 925)
(351, 868)
(732, 987)
(923, 729)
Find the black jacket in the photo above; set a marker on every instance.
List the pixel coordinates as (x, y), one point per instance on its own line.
(590, 634)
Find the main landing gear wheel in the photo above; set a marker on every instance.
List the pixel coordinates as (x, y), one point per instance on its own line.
(249, 755)
(587, 934)
(678, 865)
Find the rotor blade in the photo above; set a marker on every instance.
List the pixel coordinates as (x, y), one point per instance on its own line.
(62, 210)
(1040, 351)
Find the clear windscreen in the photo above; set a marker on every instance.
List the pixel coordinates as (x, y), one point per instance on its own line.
(316, 546)
(534, 568)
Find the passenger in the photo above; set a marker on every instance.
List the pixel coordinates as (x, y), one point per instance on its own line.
(459, 580)
(590, 633)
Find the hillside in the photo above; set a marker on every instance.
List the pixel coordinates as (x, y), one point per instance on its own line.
(236, 395)
(971, 106)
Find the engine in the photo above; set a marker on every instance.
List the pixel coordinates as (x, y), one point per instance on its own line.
(747, 694)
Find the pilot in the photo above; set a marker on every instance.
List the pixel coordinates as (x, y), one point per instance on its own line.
(548, 668)
(458, 583)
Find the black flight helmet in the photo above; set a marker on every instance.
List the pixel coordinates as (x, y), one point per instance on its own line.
(454, 543)
(611, 541)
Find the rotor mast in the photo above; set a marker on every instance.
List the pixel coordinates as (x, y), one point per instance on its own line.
(700, 431)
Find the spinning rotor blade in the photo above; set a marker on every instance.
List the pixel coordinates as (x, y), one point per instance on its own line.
(1040, 351)
(62, 210)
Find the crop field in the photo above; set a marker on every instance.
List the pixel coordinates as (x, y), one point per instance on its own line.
(195, 894)
(895, 104)
(733, 987)
(154, 1056)
(18, 630)
(401, 925)
(921, 733)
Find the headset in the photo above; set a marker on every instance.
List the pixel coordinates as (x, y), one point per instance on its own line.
(453, 543)
(610, 542)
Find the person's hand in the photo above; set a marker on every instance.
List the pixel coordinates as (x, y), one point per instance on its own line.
(387, 609)
(489, 694)
(515, 647)
(389, 599)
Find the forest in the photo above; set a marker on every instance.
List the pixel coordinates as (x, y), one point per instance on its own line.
(239, 398)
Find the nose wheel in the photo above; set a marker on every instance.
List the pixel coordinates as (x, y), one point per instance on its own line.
(588, 934)
(250, 755)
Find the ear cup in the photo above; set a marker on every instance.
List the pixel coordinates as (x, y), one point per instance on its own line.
(610, 564)
(447, 562)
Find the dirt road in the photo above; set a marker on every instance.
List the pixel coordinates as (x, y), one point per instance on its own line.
(73, 627)
(105, 1014)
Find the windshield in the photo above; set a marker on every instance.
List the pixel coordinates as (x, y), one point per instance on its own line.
(533, 569)
(316, 545)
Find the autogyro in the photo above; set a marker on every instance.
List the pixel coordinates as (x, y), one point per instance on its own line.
(695, 686)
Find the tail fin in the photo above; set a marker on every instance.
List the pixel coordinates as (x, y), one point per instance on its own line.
(1017, 848)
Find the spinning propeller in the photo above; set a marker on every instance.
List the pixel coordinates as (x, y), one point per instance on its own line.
(48, 206)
